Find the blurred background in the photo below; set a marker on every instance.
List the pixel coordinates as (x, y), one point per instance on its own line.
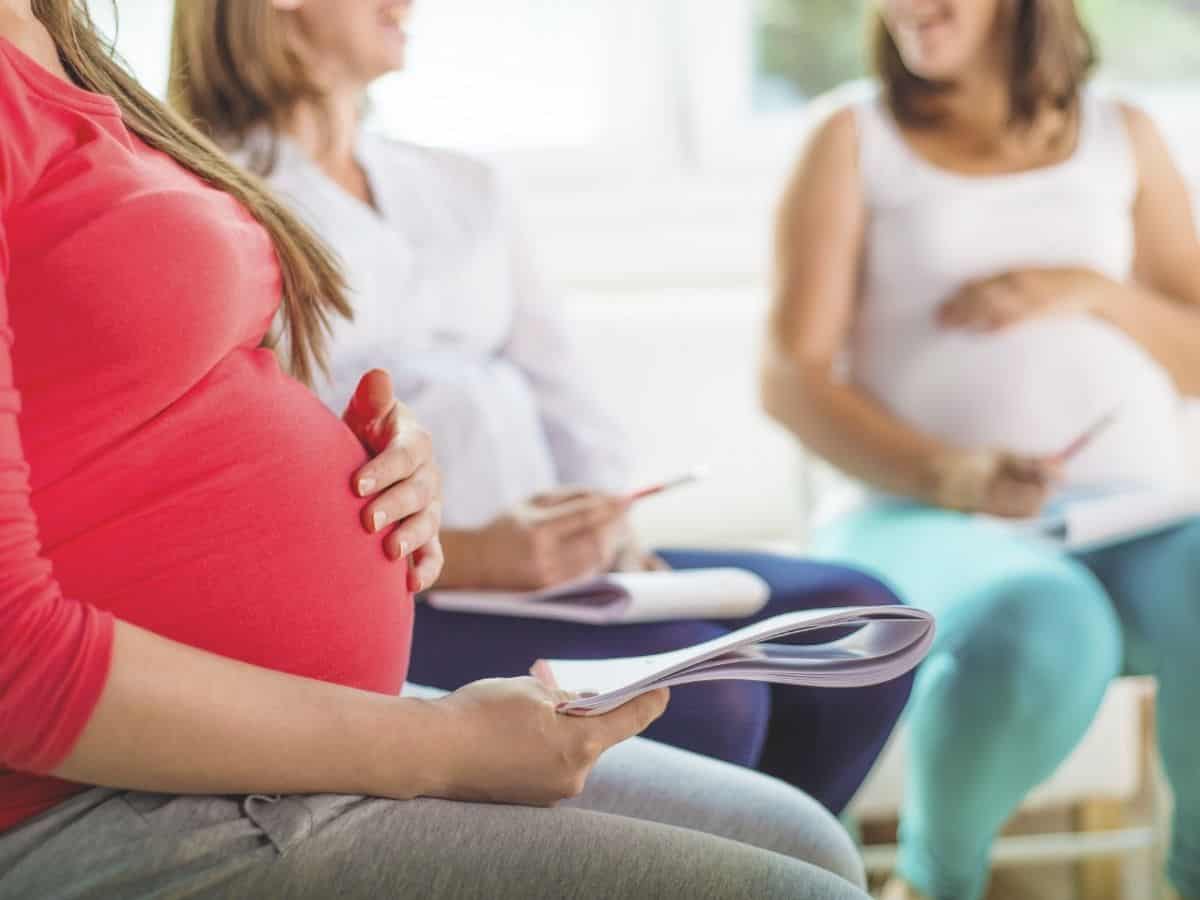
(672, 119)
(647, 141)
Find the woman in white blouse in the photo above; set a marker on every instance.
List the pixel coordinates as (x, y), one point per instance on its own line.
(447, 299)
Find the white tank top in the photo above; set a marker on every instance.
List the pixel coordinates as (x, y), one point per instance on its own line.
(1035, 387)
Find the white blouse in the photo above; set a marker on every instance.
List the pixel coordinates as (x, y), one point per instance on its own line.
(447, 299)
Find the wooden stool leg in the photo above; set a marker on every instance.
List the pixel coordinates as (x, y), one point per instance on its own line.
(1099, 878)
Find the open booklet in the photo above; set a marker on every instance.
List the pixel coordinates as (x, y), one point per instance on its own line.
(1103, 518)
(623, 598)
(886, 642)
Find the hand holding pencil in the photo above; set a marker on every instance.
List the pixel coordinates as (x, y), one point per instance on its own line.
(993, 482)
(1005, 484)
(580, 517)
(550, 539)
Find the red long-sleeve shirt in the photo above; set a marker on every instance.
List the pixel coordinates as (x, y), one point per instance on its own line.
(156, 466)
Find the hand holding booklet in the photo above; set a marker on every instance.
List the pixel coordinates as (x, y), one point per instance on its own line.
(886, 642)
(1082, 522)
(1082, 519)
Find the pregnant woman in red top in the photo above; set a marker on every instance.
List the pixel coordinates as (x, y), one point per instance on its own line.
(191, 616)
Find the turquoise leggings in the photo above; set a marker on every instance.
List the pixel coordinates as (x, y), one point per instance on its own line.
(1028, 639)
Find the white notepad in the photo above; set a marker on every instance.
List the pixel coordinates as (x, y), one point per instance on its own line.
(1103, 520)
(623, 598)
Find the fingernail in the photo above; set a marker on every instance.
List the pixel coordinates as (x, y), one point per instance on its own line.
(379, 519)
(403, 551)
(365, 486)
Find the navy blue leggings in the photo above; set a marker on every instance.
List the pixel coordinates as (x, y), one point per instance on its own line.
(820, 740)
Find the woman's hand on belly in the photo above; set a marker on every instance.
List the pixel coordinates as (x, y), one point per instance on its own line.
(1005, 300)
(402, 479)
(995, 483)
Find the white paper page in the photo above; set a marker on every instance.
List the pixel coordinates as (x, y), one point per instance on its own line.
(692, 594)
(1106, 520)
(595, 601)
(602, 677)
(624, 597)
(1091, 522)
(826, 674)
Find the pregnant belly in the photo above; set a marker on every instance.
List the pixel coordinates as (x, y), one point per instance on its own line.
(238, 532)
(1033, 389)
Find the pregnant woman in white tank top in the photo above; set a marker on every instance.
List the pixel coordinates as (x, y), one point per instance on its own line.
(976, 264)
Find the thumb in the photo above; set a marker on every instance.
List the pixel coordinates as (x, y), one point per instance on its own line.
(542, 672)
(373, 400)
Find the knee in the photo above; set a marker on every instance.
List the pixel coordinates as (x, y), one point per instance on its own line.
(852, 587)
(1037, 644)
(1182, 544)
(725, 720)
(790, 822)
(1164, 608)
(743, 704)
(826, 844)
(890, 698)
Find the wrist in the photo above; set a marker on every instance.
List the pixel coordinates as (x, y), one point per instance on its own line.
(932, 472)
(406, 745)
(958, 479)
(1102, 297)
(464, 567)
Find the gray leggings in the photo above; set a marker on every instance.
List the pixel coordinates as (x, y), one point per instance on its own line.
(654, 822)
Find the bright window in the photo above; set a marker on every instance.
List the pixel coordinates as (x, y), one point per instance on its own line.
(586, 76)
(143, 32)
(805, 47)
(530, 74)
(620, 85)
(753, 65)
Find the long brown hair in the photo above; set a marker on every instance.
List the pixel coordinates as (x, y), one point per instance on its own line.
(1051, 56)
(234, 70)
(313, 289)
